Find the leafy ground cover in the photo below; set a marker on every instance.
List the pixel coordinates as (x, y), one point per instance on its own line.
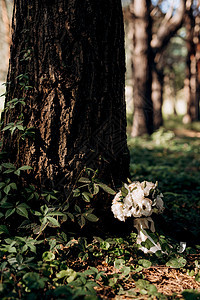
(41, 260)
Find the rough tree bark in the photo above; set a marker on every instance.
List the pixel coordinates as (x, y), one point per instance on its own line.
(71, 54)
(169, 26)
(143, 111)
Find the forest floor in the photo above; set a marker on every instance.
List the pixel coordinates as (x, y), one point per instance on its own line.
(55, 264)
(172, 157)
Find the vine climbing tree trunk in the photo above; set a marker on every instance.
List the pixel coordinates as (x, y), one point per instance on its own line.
(66, 73)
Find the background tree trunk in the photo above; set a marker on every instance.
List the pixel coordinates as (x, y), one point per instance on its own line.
(157, 96)
(71, 55)
(191, 69)
(168, 27)
(143, 110)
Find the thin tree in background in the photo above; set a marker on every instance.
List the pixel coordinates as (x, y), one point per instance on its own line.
(167, 29)
(141, 61)
(67, 67)
(147, 55)
(192, 80)
(5, 21)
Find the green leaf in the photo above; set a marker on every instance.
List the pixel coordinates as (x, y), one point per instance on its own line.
(176, 262)
(23, 168)
(48, 256)
(6, 128)
(36, 213)
(43, 222)
(81, 221)
(197, 277)
(7, 205)
(86, 196)
(8, 166)
(53, 221)
(23, 205)
(119, 263)
(3, 229)
(84, 180)
(22, 211)
(69, 274)
(107, 189)
(55, 213)
(125, 271)
(144, 263)
(2, 184)
(62, 274)
(77, 208)
(71, 277)
(7, 189)
(76, 193)
(9, 212)
(70, 216)
(13, 186)
(8, 171)
(20, 127)
(17, 172)
(33, 281)
(95, 189)
(91, 217)
(24, 248)
(104, 245)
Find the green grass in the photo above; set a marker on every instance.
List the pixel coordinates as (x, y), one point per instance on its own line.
(54, 263)
(175, 163)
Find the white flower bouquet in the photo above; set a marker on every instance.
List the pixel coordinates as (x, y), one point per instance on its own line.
(139, 199)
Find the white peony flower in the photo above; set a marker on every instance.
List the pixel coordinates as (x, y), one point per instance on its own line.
(137, 193)
(147, 186)
(117, 209)
(136, 211)
(146, 208)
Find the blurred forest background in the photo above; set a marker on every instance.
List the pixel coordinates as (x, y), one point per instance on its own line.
(162, 59)
(162, 43)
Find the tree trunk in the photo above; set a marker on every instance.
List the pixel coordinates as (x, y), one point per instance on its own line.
(157, 96)
(168, 27)
(198, 75)
(143, 110)
(6, 21)
(68, 66)
(197, 60)
(5, 38)
(191, 70)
